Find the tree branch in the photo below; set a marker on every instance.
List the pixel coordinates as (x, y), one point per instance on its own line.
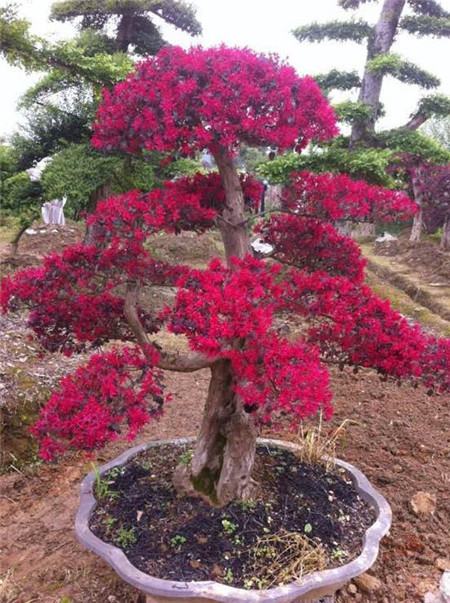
(416, 121)
(169, 361)
(183, 363)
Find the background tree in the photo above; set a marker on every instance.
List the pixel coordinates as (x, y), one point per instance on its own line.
(427, 18)
(133, 20)
(216, 99)
(60, 108)
(431, 187)
(367, 153)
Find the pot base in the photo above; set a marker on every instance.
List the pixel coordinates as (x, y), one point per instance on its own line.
(317, 587)
(150, 599)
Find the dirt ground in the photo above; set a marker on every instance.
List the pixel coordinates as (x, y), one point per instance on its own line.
(398, 436)
(421, 270)
(427, 260)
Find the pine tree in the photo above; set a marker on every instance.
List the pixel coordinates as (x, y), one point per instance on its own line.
(428, 18)
(134, 20)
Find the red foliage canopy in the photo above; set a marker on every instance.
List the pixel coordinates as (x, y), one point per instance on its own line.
(332, 197)
(89, 295)
(188, 100)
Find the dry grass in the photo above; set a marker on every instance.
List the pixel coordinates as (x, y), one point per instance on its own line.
(317, 446)
(284, 557)
(9, 590)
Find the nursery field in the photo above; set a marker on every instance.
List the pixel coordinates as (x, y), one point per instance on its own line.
(398, 436)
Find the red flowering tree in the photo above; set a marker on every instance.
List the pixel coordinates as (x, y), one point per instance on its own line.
(429, 184)
(432, 186)
(90, 295)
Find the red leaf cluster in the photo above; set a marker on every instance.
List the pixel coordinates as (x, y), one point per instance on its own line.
(230, 314)
(187, 100)
(115, 393)
(334, 197)
(312, 245)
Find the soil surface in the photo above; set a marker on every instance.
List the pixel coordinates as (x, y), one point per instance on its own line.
(399, 437)
(421, 270)
(317, 512)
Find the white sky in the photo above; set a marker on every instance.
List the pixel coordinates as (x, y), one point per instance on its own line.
(263, 25)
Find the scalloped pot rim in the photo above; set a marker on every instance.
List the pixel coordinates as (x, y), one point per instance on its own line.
(314, 584)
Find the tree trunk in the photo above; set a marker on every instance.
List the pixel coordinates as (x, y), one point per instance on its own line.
(124, 30)
(101, 192)
(224, 454)
(232, 223)
(445, 239)
(416, 230)
(417, 227)
(18, 235)
(380, 43)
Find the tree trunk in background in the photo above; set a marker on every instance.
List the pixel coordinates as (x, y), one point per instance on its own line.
(101, 192)
(381, 42)
(124, 30)
(16, 238)
(445, 239)
(416, 230)
(417, 227)
(224, 453)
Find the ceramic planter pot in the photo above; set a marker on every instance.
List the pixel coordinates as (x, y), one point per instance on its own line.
(313, 587)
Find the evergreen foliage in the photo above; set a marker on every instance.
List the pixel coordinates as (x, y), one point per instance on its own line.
(48, 129)
(401, 140)
(133, 20)
(436, 105)
(426, 25)
(368, 164)
(17, 45)
(428, 7)
(353, 4)
(354, 31)
(20, 194)
(405, 71)
(350, 112)
(338, 80)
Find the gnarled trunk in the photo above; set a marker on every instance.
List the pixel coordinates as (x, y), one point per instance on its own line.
(232, 223)
(416, 230)
(101, 192)
(224, 454)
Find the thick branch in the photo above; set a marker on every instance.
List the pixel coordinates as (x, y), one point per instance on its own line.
(416, 121)
(132, 317)
(170, 361)
(183, 363)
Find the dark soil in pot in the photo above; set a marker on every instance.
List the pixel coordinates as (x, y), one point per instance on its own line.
(302, 519)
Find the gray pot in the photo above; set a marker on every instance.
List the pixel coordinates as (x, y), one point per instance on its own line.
(311, 588)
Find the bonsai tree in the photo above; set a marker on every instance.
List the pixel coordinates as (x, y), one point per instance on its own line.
(91, 295)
